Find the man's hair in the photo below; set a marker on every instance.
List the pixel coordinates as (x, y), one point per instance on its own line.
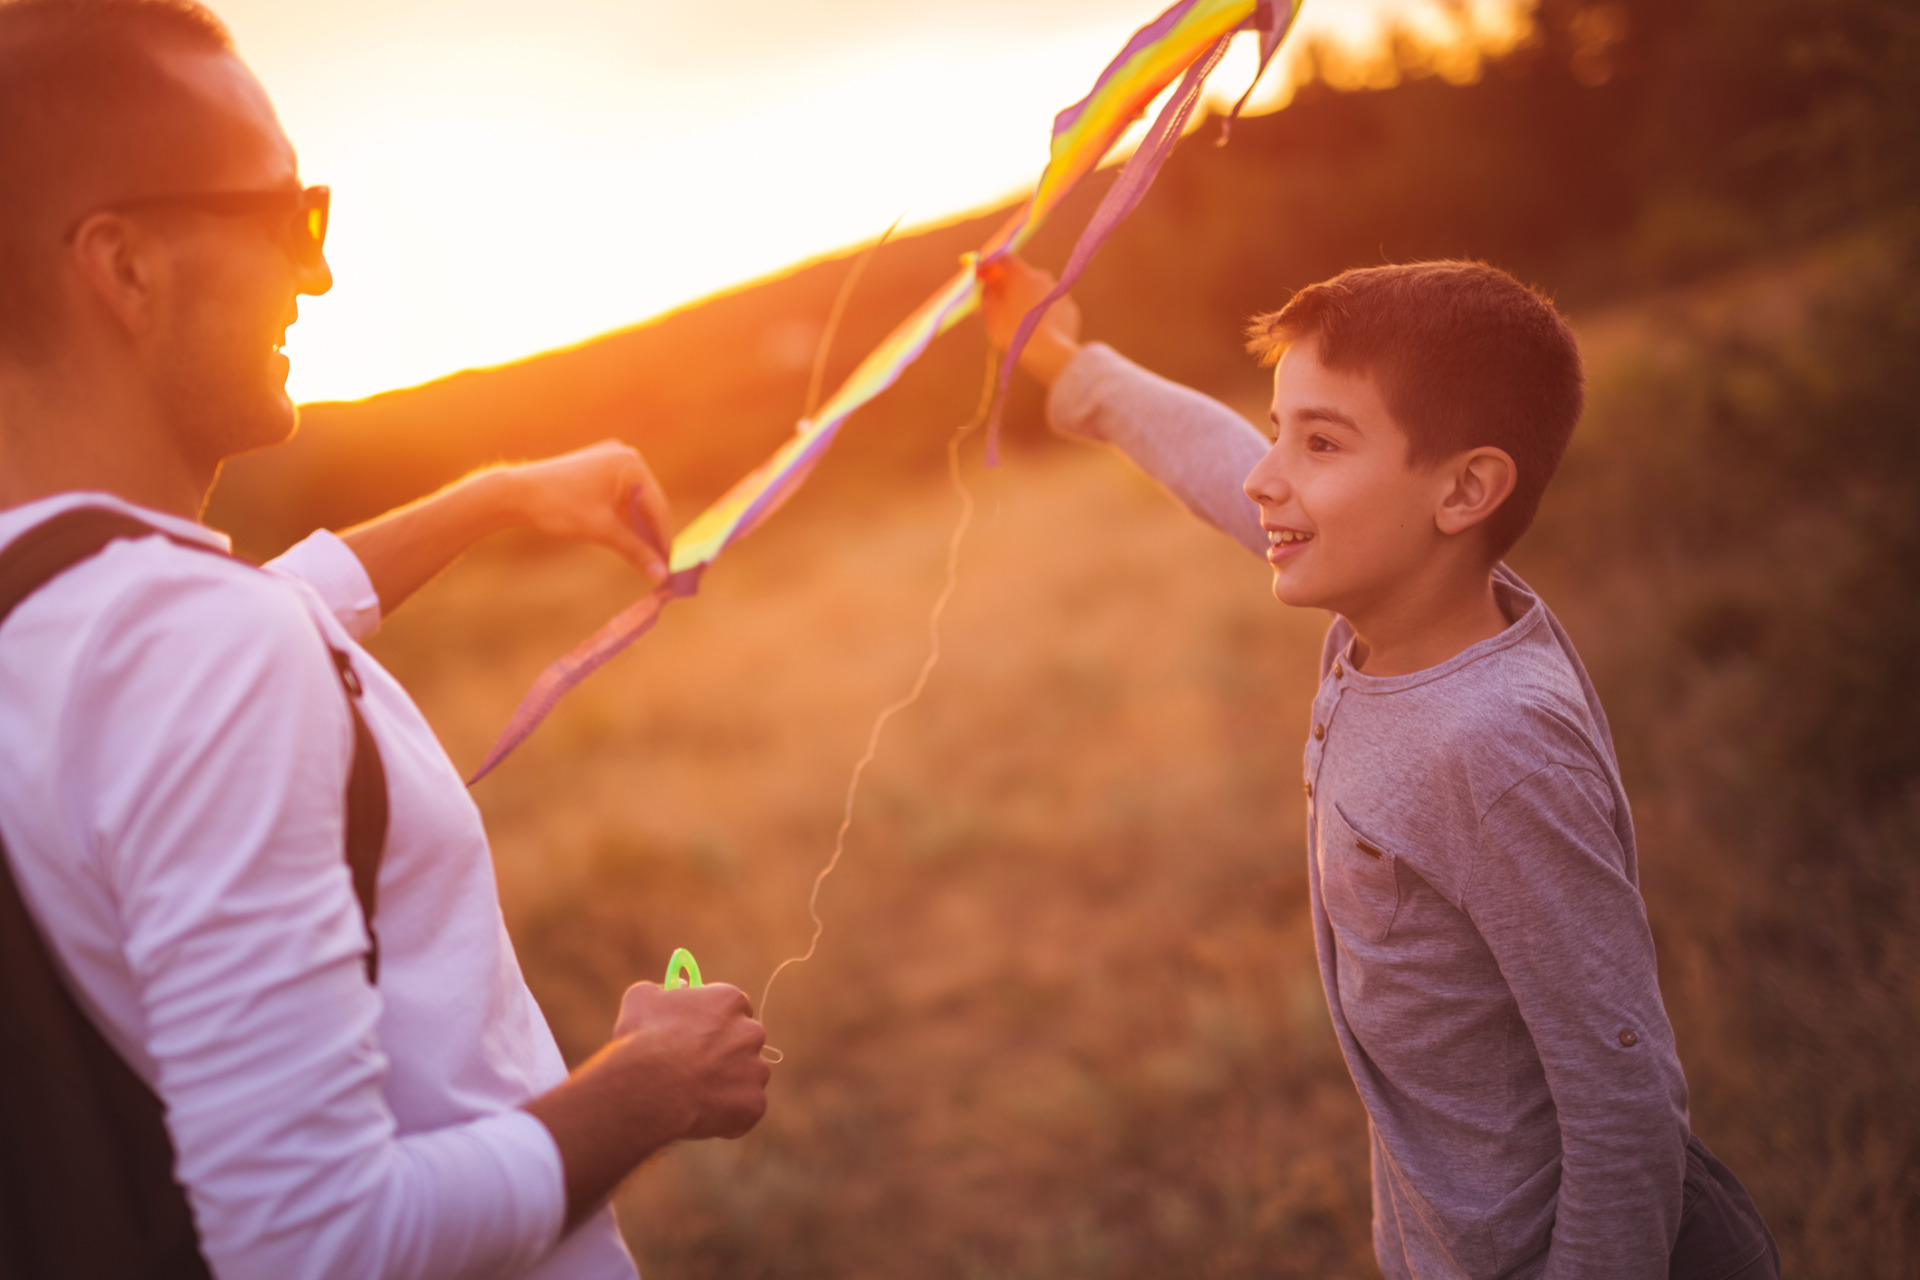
(88, 114)
(1464, 355)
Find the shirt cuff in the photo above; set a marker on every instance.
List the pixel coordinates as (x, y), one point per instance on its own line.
(328, 565)
(486, 1197)
(1073, 402)
(528, 1152)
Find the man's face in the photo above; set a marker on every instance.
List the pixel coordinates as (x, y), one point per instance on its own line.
(233, 285)
(1349, 523)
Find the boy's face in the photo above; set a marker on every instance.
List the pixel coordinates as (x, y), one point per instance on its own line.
(1349, 522)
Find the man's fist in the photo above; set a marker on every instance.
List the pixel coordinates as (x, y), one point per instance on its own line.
(704, 1048)
(681, 1064)
(1009, 289)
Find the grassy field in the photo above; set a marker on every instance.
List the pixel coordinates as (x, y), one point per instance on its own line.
(1065, 1020)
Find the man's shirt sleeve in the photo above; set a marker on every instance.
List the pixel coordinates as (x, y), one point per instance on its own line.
(1567, 927)
(1198, 449)
(204, 754)
(328, 565)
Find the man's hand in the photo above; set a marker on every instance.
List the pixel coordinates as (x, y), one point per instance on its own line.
(681, 1064)
(1009, 289)
(707, 1043)
(603, 493)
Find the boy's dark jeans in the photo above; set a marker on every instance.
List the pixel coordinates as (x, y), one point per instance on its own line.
(1722, 1236)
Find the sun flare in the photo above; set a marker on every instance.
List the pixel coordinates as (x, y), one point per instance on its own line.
(509, 180)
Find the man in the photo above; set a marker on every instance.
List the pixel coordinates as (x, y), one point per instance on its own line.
(175, 742)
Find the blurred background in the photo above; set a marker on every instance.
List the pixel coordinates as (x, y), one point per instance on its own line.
(1065, 1020)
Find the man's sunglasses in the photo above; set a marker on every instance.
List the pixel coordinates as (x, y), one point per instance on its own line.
(301, 215)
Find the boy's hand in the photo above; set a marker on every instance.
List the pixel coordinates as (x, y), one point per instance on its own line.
(603, 493)
(1009, 289)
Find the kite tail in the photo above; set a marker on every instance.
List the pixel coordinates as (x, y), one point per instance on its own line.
(1273, 25)
(1121, 199)
(587, 657)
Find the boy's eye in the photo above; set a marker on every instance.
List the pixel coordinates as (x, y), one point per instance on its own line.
(1317, 443)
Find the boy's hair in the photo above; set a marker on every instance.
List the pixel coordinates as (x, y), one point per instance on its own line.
(87, 112)
(1464, 355)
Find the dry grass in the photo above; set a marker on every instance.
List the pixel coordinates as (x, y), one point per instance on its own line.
(1732, 544)
(1065, 1019)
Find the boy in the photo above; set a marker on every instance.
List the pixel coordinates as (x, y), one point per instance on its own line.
(1481, 937)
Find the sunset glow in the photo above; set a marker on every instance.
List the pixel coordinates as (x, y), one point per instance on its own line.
(511, 178)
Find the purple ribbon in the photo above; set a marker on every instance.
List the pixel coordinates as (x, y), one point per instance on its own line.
(586, 657)
(1121, 199)
(1272, 31)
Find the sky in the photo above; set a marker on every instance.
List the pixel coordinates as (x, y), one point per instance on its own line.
(513, 177)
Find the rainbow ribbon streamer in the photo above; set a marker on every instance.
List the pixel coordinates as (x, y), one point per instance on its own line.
(1187, 41)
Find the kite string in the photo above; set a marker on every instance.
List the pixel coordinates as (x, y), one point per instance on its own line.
(818, 378)
(912, 696)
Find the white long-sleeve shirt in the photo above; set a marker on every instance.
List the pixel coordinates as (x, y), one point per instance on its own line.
(174, 749)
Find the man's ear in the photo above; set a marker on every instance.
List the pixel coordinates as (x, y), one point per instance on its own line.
(119, 265)
(1479, 481)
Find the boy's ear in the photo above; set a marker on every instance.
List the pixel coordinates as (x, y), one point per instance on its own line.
(1480, 480)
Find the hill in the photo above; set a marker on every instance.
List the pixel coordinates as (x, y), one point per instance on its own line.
(1527, 167)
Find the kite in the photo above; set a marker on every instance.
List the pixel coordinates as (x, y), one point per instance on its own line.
(1187, 41)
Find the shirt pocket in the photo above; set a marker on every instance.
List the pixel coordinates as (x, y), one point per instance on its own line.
(1360, 878)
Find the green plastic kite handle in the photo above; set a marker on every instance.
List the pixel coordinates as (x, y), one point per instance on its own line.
(682, 971)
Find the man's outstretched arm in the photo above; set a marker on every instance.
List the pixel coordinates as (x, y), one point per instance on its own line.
(603, 493)
(1196, 447)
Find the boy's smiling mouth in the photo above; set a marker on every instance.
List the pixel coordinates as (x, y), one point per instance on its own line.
(1284, 543)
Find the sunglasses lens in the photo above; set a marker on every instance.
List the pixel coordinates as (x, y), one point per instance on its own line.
(311, 232)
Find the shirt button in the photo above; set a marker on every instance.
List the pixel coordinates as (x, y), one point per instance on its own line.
(1309, 791)
(1628, 1039)
(1319, 732)
(1338, 670)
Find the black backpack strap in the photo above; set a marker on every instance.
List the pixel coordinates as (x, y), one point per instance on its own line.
(49, 549)
(86, 1166)
(87, 1187)
(366, 810)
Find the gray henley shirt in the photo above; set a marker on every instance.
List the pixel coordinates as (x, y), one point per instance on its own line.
(1476, 907)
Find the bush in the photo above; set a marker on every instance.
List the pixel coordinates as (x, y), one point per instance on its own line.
(1737, 534)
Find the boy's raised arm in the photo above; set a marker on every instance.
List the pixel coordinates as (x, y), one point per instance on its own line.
(1196, 447)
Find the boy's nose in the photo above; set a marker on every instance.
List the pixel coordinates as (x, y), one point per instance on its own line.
(1266, 484)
